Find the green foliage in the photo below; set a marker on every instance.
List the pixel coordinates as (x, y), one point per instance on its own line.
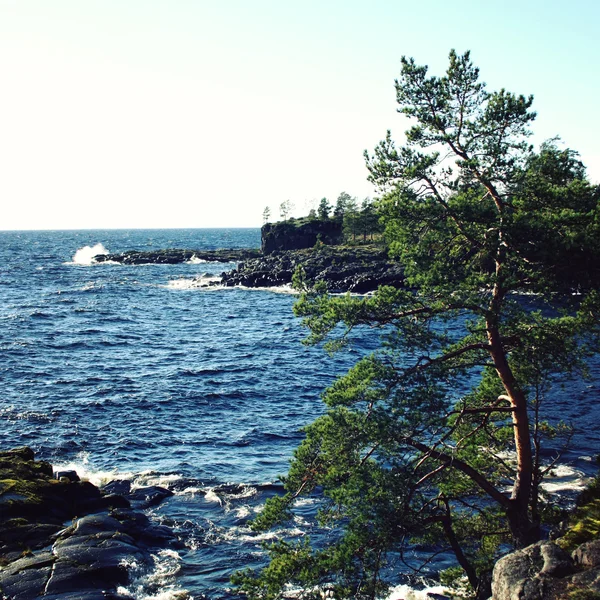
(324, 209)
(341, 205)
(422, 439)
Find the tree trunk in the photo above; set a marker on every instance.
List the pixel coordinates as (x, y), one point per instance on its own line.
(522, 529)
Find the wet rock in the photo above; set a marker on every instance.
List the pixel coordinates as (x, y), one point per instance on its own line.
(149, 496)
(89, 559)
(26, 578)
(70, 475)
(175, 256)
(118, 486)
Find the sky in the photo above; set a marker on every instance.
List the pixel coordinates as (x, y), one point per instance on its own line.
(196, 113)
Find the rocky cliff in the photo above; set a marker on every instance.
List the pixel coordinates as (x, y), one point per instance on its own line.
(300, 233)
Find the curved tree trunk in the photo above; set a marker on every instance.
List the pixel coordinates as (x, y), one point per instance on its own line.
(522, 529)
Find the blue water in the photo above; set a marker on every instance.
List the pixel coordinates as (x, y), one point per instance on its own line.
(128, 370)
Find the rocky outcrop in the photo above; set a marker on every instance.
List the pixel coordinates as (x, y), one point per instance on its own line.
(173, 256)
(343, 269)
(567, 567)
(297, 234)
(89, 559)
(535, 572)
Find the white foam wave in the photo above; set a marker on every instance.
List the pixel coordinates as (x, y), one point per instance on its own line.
(564, 478)
(87, 472)
(212, 283)
(209, 283)
(245, 534)
(211, 496)
(85, 255)
(195, 260)
(157, 583)
(405, 592)
(241, 512)
(147, 478)
(189, 490)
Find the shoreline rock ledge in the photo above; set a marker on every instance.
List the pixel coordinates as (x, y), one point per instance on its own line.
(343, 269)
(173, 256)
(64, 539)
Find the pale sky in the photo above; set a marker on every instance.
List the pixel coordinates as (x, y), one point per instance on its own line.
(190, 113)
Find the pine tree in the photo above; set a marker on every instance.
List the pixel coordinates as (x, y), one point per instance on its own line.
(436, 436)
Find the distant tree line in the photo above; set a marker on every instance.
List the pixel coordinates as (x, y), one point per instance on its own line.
(360, 218)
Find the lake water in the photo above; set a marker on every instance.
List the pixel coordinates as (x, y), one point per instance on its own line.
(130, 372)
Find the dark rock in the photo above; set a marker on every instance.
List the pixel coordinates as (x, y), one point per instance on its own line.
(588, 554)
(148, 496)
(16, 534)
(175, 256)
(118, 486)
(89, 559)
(23, 453)
(70, 475)
(115, 501)
(359, 270)
(299, 234)
(26, 578)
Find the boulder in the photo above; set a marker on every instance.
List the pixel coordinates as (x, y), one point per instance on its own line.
(70, 475)
(588, 554)
(530, 573)
(149, 496)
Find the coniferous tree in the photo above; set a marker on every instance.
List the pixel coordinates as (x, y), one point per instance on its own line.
(266, 215)
(351, 218)
(436, 436)
(285, 209)
(324, 209)
(341, 205)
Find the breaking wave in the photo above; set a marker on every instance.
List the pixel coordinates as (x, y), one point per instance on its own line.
(85, 255)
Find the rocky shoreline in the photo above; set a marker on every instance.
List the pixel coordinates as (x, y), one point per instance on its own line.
(173, 256)
(66, 539)
(62, 538)
(342, 268)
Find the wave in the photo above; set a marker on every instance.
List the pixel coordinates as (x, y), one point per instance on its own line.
(12, 414)
(565, 478)
(85, 255)
(213, 283)
(195, 260)
(406, 592)
(158, 582)
(203, 282)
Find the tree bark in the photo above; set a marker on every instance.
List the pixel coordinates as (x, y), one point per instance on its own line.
(520, 523)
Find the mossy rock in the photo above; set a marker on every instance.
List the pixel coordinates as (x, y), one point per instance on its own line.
(584, 526)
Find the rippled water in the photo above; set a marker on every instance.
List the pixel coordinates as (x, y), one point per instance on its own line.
(127, 371)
